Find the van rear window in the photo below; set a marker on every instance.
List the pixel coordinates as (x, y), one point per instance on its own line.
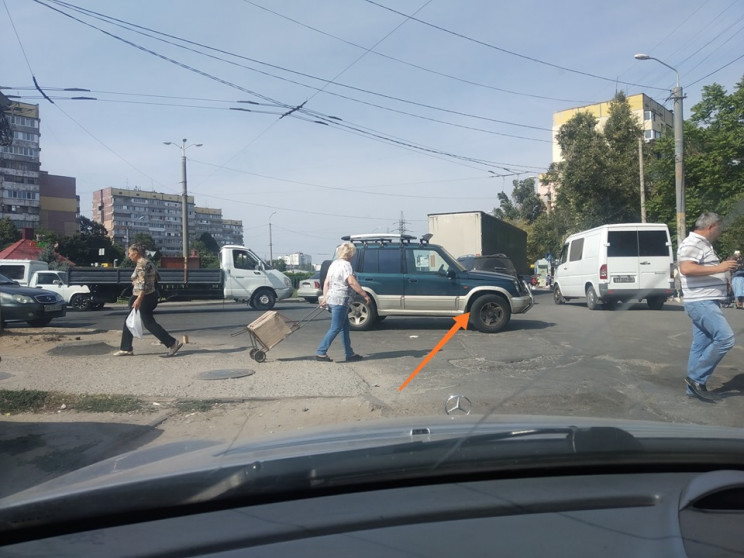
(631, 244)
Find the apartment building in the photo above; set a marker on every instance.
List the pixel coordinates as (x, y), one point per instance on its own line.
(59, 204)
(19, 167)
(126, 212)
(655, 119)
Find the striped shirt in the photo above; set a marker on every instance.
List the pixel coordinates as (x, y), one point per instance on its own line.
(696, 248)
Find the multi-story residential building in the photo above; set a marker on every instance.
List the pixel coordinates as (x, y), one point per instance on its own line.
(59, 204)
(298, 260)
(655, 119)
(126, 212)
(19, 167)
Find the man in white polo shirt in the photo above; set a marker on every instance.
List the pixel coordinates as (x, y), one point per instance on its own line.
(704, 285)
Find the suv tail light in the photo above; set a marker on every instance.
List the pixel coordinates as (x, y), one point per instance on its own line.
(317, 284)
(603, 271)
(671, 270)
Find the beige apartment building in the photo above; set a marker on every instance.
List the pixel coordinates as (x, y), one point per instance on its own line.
(126, 212)
(655, 119)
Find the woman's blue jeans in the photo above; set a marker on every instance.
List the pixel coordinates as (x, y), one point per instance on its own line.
(339, 324)
(712, 338)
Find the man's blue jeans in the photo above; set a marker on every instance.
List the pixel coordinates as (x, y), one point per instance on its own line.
(339, 324)
(712, 338)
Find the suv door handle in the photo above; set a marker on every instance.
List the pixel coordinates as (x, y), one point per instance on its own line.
(645, 263)
(413, 280)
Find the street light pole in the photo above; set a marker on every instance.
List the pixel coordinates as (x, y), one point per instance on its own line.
(184, 199)
(679, 154)
(271, 246)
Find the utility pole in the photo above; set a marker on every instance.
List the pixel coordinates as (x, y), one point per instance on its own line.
(679, 150)
(643, 186)
(184, 200)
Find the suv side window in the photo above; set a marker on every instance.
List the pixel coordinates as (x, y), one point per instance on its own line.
(380, 260)
(425, 260)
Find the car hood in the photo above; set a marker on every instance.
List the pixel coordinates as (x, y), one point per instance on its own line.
(20, 289)
(187, 476)
(481, 275)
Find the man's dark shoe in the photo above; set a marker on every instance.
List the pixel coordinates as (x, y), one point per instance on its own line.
(354, 358)
(701, 392)
(323, 358)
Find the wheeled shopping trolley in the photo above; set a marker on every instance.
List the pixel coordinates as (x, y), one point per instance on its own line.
(270, 329)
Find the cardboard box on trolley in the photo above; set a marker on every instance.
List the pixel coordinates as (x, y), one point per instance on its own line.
(270, 328)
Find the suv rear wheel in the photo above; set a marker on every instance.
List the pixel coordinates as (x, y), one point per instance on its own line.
(490, 314)
(362, 316)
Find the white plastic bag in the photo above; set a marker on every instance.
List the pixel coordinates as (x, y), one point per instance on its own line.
(134, 323)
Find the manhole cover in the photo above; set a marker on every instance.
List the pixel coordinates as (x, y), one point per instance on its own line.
(225, 374)
(83, 348)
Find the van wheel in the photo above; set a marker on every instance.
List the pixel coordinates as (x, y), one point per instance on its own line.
(263, 300)
(490, 314)
(362, 316)
(558, 295)
(592, 301)
(655, 302)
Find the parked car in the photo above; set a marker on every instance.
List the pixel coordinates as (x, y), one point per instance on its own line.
(492, 262)
(37, 307)
(409, 277)
(310, 289)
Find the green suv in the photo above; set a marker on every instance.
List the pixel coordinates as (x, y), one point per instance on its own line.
(406, 277)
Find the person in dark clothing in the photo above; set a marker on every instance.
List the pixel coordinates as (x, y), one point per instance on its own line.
(145, 299)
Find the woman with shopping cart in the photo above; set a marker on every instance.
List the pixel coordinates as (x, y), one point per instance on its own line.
(337, 288)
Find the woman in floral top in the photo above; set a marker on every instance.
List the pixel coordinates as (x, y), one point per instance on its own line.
(145, 299)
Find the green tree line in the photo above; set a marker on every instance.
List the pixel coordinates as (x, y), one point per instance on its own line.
(598, 180)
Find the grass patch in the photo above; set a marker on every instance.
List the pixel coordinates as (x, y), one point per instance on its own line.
(35, 401)
(196, 406)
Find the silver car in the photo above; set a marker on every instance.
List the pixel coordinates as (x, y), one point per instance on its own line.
(310, 289)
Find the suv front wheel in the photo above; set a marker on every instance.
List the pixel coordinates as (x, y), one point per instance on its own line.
(362, 316)
(490, 313)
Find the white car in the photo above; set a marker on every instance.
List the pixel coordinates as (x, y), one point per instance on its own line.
(310, 289)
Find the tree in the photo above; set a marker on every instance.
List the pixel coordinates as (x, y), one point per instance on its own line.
(207, 258)
(714, 166)
(524, 206)
(210, 244)
(8, 233)
(84, 248)
(598, 180)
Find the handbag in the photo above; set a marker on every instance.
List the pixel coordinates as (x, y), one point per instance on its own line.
(134, 323)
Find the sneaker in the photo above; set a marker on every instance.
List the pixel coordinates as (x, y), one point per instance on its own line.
(700, 391)
(124, 353)
(174, 348)
(354, 358)
(323, 358)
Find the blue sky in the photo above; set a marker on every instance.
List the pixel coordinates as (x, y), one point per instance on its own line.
(407, 107)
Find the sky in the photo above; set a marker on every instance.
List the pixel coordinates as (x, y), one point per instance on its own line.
(323, 118)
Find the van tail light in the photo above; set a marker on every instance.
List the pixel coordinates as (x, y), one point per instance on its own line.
(603, 271)
(671, 271)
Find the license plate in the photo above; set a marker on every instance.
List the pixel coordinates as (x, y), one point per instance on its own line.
(52, 307)
(623, 279)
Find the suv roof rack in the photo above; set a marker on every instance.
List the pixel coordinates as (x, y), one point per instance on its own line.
(381, 238)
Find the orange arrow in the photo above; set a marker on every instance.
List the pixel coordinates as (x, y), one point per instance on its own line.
(460, 322)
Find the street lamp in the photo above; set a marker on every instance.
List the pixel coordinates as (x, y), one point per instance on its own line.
(679, 156)
(271, 249)
(184, 199)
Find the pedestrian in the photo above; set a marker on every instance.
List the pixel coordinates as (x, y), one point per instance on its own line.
(337, 288)
(704, 286)
(737, 282)
(144, 299)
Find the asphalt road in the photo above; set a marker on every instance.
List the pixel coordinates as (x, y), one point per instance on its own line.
(565, 360)
(555, 360)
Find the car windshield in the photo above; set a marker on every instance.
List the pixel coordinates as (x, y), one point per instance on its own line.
(197, 175)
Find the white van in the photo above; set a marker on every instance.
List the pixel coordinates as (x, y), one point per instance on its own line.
(612, 263)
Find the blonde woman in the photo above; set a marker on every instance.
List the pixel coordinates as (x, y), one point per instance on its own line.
(145, 299)
(337, 288)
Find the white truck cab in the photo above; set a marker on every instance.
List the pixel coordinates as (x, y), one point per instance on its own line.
(247, 278)
(77, 296)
